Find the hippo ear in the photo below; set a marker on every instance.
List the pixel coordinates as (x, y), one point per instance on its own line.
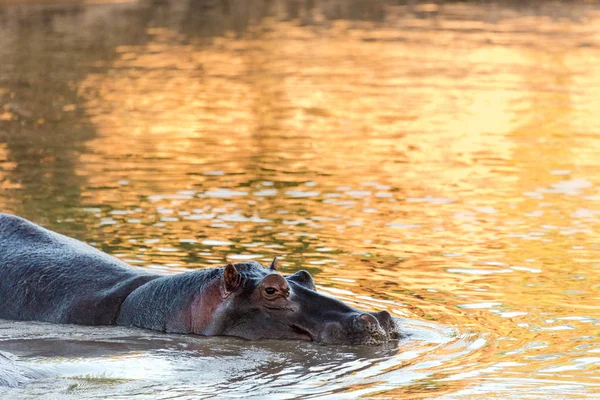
(273, 266)
(231, 278)
(303, 278)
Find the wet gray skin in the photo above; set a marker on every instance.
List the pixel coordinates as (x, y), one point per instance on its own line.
(250, 301)
(45, 276)
(264, 304)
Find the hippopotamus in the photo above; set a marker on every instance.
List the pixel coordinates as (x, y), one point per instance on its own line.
(46, 276)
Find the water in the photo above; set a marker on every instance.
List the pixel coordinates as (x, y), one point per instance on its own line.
(437, 160)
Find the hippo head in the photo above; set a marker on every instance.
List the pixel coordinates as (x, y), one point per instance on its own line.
(260, 303)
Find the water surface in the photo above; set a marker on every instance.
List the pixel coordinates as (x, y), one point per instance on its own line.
(437, 160)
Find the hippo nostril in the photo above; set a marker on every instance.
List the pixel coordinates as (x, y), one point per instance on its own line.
(384, 318)
(388, 324)
(369, 321)
(384, 315)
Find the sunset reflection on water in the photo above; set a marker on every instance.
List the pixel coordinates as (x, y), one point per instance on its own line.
(436, 160)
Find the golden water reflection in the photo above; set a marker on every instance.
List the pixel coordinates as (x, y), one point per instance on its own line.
(440, 157)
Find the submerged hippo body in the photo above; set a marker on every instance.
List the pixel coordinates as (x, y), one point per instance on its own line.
(45, 276)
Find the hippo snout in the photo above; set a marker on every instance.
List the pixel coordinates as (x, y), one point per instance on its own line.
(376, 327)
(388, 324)
(367, 323)
(366, 329)
(362, 328)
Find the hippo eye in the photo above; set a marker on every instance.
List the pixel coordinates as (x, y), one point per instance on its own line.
(270, 291)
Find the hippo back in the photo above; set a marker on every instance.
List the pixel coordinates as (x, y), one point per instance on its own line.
(46, 276)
